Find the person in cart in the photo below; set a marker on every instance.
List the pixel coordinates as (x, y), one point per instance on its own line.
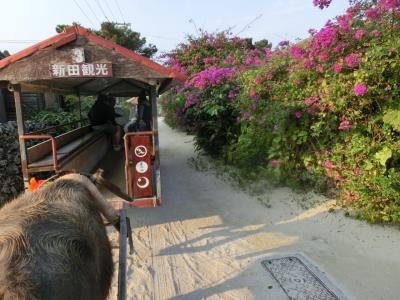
(102, 118)
(140, 118)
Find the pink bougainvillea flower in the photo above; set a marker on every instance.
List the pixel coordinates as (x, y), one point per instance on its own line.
(329, 164)
(252, 93)
(340, 47)
(212, 76)
(352, 60)
(267, 52)
(274, 163)
(375, 33)
(310, 101)
(231, 94)
(311, 111)
(283, 43)
(248, 61)
(337, 67)
(308, 63)
(191, 100)
(319, 69)
(372, 13)
(389, 4)
(268, 76)
(325, 37)
(258, 80)
(322, 3)
(297, 52)
(339, 178)
(359, 34)
(345, 125)
(246, 115)
(344, 22)
(323, 56)
(360, 89)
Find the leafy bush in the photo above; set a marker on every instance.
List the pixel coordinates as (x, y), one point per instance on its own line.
(66, 112)
(324, 112)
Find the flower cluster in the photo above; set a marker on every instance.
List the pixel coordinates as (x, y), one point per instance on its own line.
(322, 3)
(212, 76)
(319, 110)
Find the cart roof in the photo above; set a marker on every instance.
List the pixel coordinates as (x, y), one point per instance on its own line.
(77, 60)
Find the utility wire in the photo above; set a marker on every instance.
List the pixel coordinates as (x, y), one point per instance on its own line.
(102, 10)
(18, 41)
(93, 12)
(109, 9)
(90, 20)
(248, 25)
(120, 11)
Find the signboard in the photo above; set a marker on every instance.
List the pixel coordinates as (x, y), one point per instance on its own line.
(141, 159)
(81, 70)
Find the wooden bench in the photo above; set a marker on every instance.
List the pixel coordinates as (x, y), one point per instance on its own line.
(79, 149)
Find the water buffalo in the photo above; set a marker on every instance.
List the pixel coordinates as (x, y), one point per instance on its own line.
(53, 244)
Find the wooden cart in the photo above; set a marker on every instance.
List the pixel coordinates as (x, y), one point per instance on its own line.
(77, 62)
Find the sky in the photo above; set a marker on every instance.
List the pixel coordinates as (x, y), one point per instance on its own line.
(164, 23)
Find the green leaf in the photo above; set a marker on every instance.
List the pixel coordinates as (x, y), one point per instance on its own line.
(392, 117)
(383, 155)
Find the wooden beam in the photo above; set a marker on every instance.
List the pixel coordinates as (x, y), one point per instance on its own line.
(78, 86)
(137, 84)
(110, 86)
(40, 88)
(21, 131)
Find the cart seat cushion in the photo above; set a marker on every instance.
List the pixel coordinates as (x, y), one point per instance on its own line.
(66, 150)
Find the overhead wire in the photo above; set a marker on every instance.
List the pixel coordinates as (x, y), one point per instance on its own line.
(102, 10)
(90, 20)
(109, 9)
(93, 12)
(120, 11)
(248, 25)
(18, 41)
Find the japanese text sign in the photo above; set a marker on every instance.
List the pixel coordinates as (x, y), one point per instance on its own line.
(81, 70)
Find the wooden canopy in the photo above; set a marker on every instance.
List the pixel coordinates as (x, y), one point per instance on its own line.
(75, 61)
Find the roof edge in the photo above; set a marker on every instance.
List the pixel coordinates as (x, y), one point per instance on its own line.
(71, 33)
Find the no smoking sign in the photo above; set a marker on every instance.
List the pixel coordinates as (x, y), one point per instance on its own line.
(140, 151)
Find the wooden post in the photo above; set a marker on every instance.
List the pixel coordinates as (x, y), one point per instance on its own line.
(21, 131)
(153, 101)
(80, 109)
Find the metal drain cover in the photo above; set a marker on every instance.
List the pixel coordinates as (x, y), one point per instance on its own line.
(299, 280)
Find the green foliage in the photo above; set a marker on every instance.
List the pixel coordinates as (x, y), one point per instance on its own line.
(122, 35)
(67, 112)
(392, 117)
(323, 113)
(262, 44)
(4, 54)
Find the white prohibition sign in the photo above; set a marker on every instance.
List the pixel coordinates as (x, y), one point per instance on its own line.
(142, 167)
(143, 182)
(140, 151)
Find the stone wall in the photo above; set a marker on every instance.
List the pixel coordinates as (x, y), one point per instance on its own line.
(11, 183)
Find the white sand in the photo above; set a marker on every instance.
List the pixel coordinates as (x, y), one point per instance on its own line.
(207, 240)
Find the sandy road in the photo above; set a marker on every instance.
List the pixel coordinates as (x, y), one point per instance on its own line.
(208, 239)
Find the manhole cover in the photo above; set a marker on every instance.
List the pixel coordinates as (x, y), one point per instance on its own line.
(297, 280)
